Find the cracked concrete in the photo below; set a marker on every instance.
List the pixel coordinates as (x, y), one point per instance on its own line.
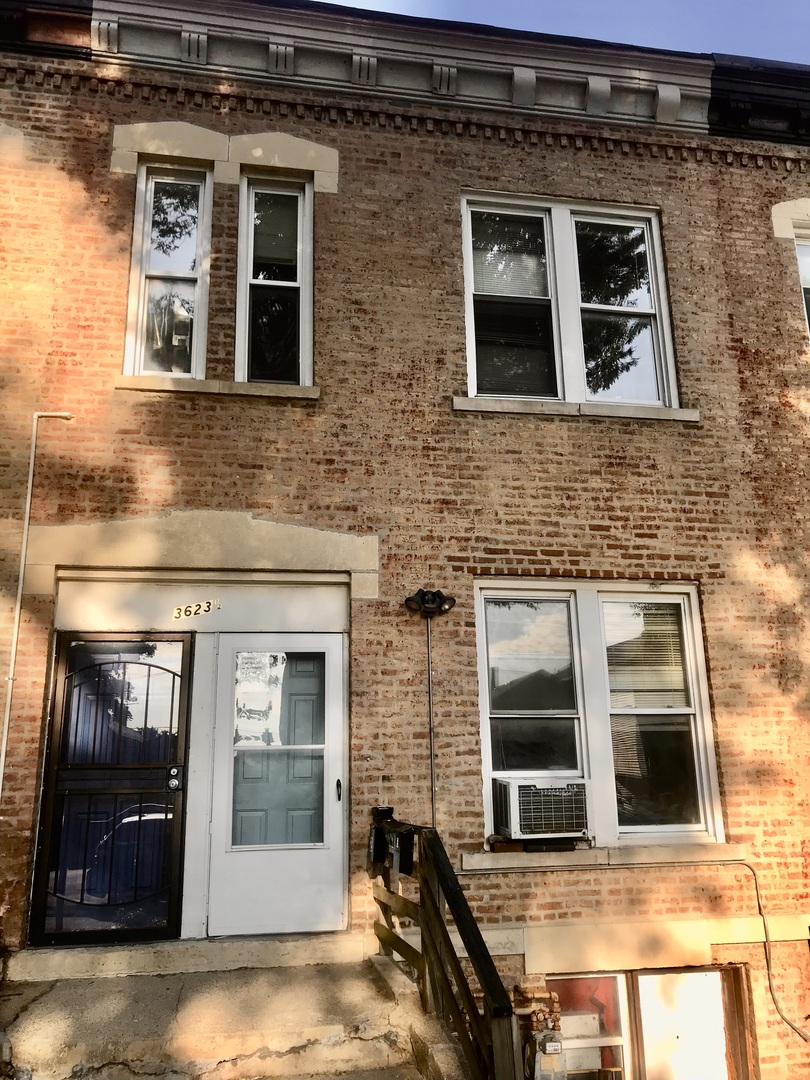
(249, 1024)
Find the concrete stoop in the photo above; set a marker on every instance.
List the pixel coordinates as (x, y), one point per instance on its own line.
(361, 1019)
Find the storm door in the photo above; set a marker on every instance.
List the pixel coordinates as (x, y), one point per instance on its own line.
(109, 857)
(278, 813)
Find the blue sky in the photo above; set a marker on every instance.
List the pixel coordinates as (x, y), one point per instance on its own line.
(772, 29)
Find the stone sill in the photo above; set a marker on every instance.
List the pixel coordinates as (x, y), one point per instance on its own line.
(166, 384)
(540, 407)
(597, 858)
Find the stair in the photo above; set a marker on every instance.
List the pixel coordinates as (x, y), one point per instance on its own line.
(360, 1019)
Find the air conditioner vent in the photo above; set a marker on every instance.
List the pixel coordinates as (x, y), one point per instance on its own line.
(530, 807)
(553, 809)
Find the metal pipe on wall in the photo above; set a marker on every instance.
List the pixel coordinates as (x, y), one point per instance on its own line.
(15, 630)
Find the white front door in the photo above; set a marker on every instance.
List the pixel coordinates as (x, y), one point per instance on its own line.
(279, 790)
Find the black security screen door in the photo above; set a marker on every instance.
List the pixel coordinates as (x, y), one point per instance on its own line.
(109, 858)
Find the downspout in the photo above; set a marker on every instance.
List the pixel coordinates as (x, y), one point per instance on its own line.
(15, 631)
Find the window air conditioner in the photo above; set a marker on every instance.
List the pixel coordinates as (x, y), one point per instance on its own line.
(528, 808)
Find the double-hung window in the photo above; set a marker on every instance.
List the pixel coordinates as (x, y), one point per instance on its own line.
(566, 303)
(166, 333)
(274, 302)
(600, 689)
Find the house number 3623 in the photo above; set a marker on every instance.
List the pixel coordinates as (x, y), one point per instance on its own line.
(190, 610)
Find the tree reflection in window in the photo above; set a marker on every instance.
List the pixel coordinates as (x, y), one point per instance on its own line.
(614, 279)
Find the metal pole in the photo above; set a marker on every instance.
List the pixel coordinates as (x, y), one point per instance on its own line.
(15, 631)
(428, 621)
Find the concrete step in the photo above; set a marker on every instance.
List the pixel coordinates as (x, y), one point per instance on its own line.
(314, 1021)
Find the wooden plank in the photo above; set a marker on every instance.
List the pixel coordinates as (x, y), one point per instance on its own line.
(399, 905)
(388, 938)
(507, 1053)
(477, 1056)
(437, 930)
(482, 962)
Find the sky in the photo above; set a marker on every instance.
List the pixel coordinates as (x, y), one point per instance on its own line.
(769, 29)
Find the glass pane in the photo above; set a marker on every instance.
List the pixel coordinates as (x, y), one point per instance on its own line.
(619, 358)
(654, 763)
(275, 237)
(684, 1026)
(803, 252)
(590, 1010)
(169, 326)
(277, 792)
(613, 266)
(173, 237)
(530, 655)
(646, 665)
(273, 348)
(529, 743)
(509, 254)
(112, 863)
(122, 702)
(514, 348)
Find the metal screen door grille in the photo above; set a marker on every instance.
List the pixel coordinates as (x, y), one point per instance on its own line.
(552, 810)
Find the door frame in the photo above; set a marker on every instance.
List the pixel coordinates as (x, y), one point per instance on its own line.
(47, 832)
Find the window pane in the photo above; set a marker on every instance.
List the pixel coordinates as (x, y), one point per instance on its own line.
(122, 703)
(803, 252)
(173, 238)
(590, 1010)
(613, 266)
(112, 865)
(279, 704)
(514, 348)
(529, 743)
(646, 665)
(169, 326)
(273, 334)
(509, 254)
(654, 763)
(530, 655)
(619, 357)
(275, 237)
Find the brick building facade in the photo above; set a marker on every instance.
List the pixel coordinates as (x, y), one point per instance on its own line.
(543, 348)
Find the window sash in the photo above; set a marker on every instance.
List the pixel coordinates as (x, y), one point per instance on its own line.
(274, 312)
(635, 361)
(167, 320)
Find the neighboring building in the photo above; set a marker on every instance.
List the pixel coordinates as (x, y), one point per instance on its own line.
(344, 305)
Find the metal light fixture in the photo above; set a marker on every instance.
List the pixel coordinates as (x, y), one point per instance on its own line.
(430, 602)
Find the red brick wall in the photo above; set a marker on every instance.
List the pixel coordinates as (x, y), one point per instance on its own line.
(452, 496)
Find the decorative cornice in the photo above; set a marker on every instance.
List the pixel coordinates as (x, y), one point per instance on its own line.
(433, 118)
(320, 47)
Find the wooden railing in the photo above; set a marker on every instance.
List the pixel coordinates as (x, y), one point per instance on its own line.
(487, 1032)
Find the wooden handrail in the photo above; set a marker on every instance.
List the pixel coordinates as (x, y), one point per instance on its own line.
(488, 1037)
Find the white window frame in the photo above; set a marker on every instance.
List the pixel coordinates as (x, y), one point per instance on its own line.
(564, 289)
(594, 708)
(147, 175)
(803, 241)
(251, 183)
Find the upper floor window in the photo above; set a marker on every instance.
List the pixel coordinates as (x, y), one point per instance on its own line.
(595, 719)
(803, 251)
(274, 176)
(274, 303)
(169, 279)
(566, 303)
